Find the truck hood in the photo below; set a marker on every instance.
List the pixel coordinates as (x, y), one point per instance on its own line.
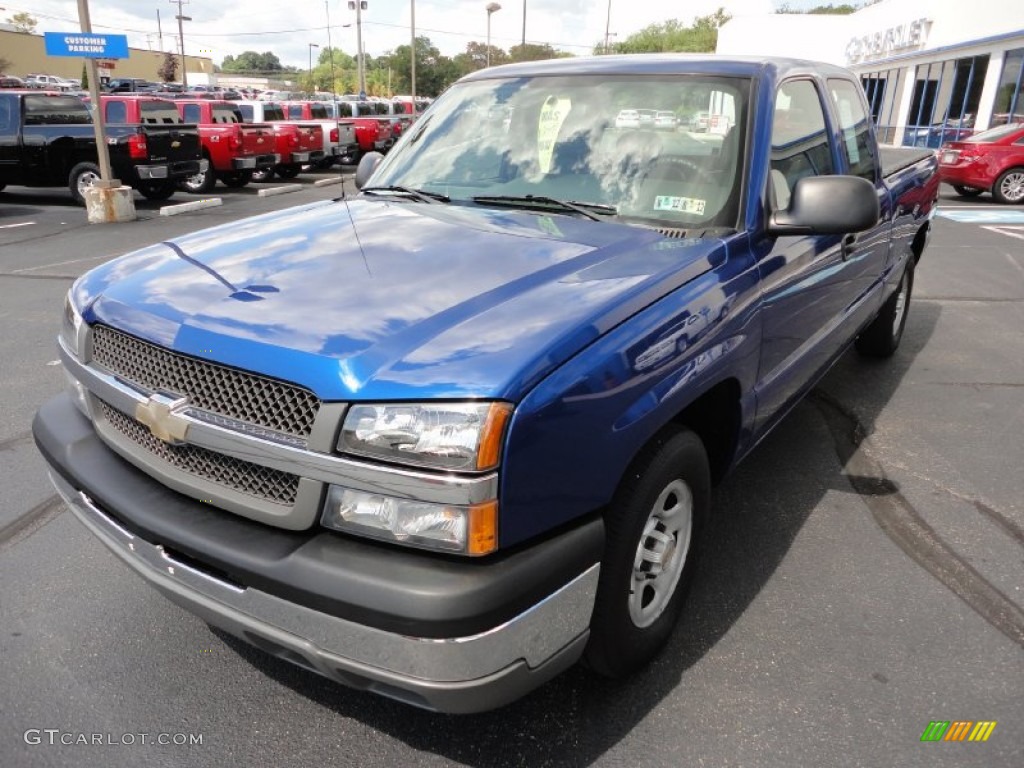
(381, 299)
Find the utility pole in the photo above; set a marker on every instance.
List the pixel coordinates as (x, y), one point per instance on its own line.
(181, 40)
(160, 30)
(102, 151)
(607, 26)
(359, 46)
(524, 24)
(412, 54)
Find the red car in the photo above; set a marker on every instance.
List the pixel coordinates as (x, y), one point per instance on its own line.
(990, 161)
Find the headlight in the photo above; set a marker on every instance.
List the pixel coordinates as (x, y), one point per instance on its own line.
(468, 530)
(459, 436)
(72, 326)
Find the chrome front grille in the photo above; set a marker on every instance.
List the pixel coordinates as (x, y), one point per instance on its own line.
(271, 485)
(218, 389)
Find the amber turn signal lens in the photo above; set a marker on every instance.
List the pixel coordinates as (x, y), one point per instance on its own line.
(483, 528)
(492, 435)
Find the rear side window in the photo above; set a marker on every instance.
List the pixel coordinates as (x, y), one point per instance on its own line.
(246, 110)
(800, 145)
(159, 113)
(365, 110)
(273, 112)
(225, 114)
(318, 111)
(855, 128)
(294, 111)
(56, 110)
(115, 112)
(192, 113)
(344, 110)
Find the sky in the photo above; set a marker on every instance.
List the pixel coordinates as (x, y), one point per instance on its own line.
(288, 27)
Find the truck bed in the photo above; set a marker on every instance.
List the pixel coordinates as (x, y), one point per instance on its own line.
(895, 159)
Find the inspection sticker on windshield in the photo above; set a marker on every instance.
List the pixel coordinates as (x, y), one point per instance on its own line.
(679, 204)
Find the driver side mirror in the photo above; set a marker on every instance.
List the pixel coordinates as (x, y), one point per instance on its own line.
(367, 165)
(827, 205)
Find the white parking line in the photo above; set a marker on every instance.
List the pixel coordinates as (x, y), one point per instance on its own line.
(37, 267)
(329, 182)
(20, 224)
(1017, 232)
(280, 190)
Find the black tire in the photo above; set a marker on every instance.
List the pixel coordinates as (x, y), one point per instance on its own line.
(289, 171)
(2, 187)
(157, 190)
(967, 191)
(882, 337)
(201, 183)
(236, 179)
(630, 625)
(82, 175)
(1009, 187)
(261, 175)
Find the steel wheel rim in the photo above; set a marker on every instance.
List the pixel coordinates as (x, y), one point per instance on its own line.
(1013, 186)
(86, 180)
(901, 307)
(661, 554)
(195, 183)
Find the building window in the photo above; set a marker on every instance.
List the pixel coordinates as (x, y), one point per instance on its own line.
(884, 90)
(1009, 106)
(945, 101)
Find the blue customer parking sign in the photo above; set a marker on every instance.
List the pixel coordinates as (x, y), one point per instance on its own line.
(89, 45)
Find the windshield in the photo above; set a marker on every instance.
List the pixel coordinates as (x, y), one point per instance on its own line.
(565, 138)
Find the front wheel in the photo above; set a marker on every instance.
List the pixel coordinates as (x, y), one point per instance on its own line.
(157, 190)
(1009, 187)
(652, 530)
(882, 337)
(200, 183)
(967, 191)
(82, 176)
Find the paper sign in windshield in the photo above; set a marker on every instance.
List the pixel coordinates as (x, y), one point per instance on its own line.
(679, 204)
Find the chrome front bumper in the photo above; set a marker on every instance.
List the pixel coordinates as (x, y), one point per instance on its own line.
(458, 675)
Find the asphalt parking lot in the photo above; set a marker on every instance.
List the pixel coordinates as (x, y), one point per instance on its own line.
(864, 572)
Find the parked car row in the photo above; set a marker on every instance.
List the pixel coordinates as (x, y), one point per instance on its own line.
(160, 145)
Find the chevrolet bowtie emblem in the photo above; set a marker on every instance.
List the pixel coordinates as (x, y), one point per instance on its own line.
(175, 144)
(158, 413)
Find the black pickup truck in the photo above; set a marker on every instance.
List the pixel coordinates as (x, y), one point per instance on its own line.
(48, 140)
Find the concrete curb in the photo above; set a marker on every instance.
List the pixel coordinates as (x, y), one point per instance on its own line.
(195, 205)
(280, 190)
(328, 182)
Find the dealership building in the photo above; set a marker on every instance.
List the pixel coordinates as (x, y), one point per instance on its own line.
(933, 70)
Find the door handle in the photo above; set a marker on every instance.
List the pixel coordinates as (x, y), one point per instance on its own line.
(849, 241)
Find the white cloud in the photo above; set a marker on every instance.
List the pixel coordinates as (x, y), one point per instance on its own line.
(288, 27)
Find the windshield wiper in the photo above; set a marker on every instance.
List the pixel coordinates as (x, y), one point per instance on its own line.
(592, 211)
(419, 194)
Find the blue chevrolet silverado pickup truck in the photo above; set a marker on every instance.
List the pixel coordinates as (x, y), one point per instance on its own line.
(448, 437)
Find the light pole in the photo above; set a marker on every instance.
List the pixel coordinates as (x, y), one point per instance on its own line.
(491, 8)
(607, 25)
(311, 47)
(359, 6)
(524, 23)
(181, 40)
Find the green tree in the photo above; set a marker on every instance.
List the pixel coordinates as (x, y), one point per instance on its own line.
(475, 57)
(834, 10)
(255, 63)
(434, 72)
(23, 22)
(5, 64)
(85, 77)
(532, 52)
(673, 36)
(168, 71)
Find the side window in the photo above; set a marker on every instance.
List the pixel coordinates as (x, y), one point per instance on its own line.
(192, 113)
(853, 122)
(116, 112)
(800, 145)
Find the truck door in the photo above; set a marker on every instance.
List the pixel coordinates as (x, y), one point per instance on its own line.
(10, 122)
(808, 282)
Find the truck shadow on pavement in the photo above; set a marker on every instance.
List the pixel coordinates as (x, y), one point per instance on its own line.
(758, 512)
